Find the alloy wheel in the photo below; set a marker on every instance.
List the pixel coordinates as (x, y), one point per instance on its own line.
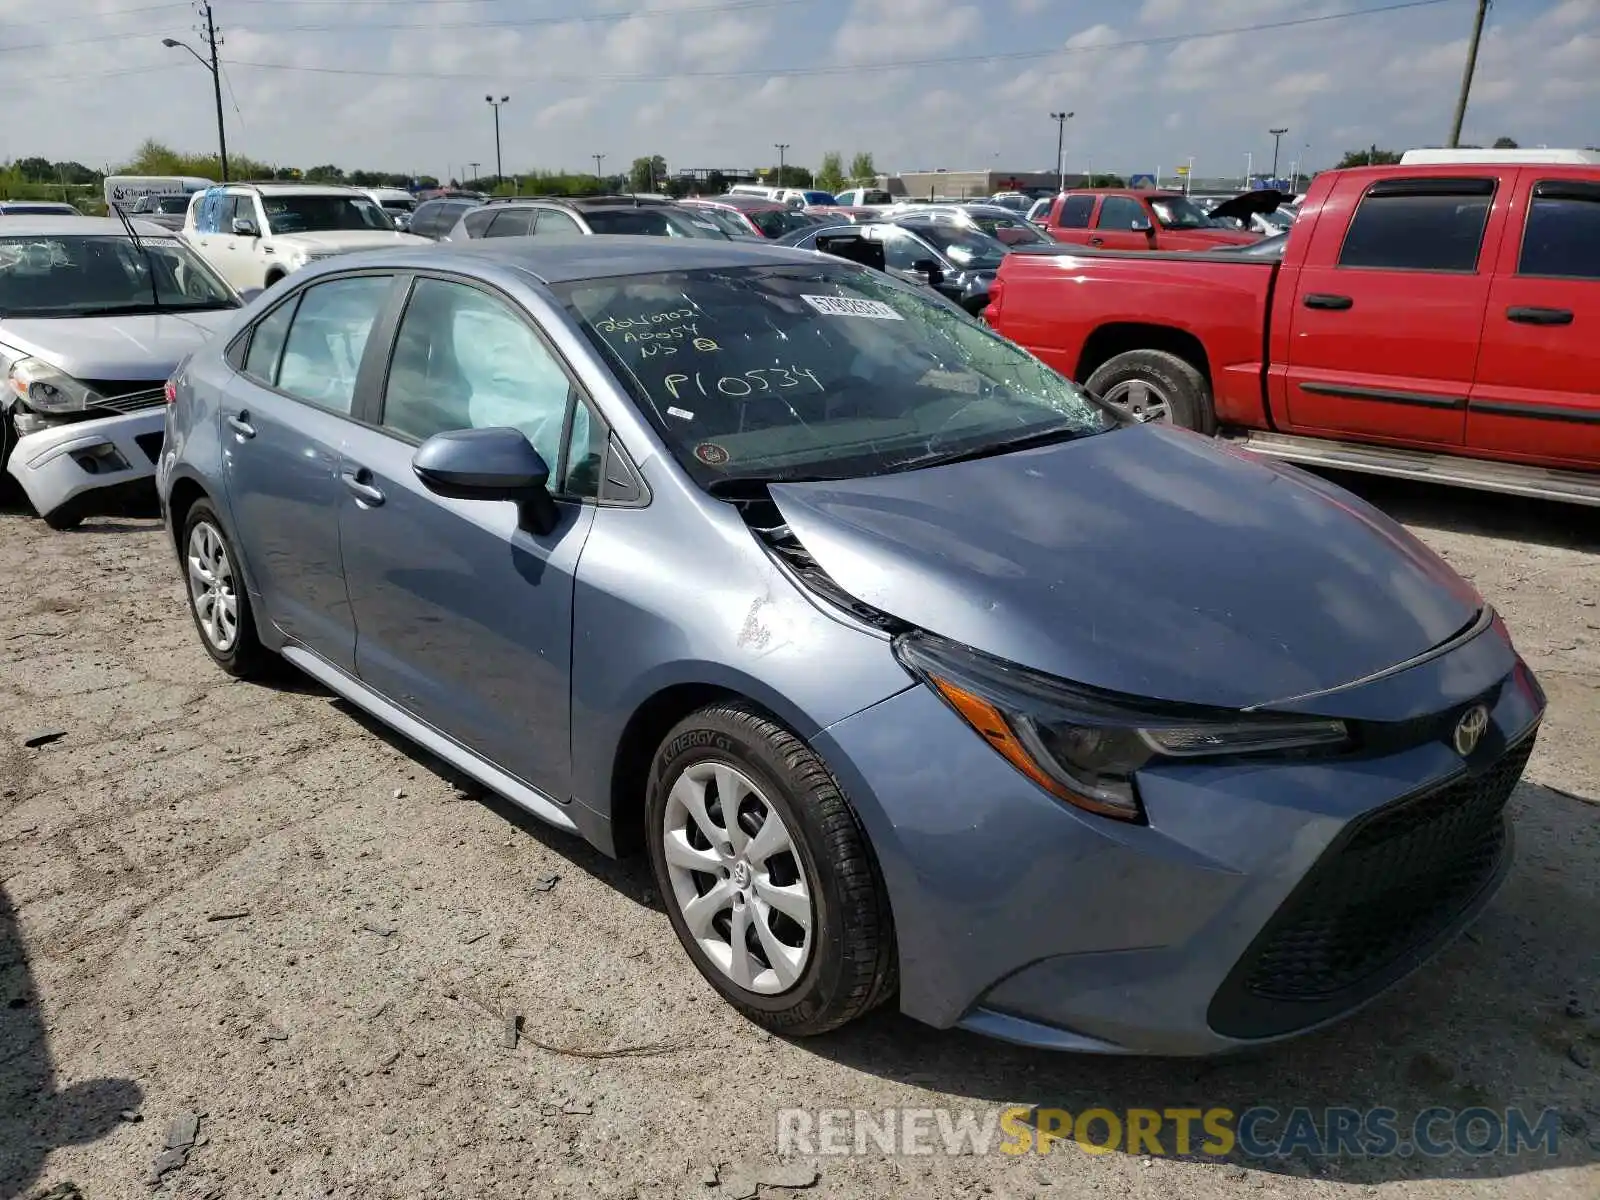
(736, 878)
(1136, 400)
(212, 588)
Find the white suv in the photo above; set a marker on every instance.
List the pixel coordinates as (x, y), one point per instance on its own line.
(254, 234)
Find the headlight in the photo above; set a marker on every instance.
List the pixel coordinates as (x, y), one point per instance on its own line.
(46, 389)
(1085, 746)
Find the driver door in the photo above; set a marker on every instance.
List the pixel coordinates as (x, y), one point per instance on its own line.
(1114, 224)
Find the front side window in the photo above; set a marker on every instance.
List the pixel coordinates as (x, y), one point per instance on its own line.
(510, 222)
(105, 275)
(1120, 212)
(971, 249)
(817, 369)
(1419, 225)
(327, 338)
(463, 359)
(1010, 231)
(322, 214)
(1179, 212)
(902, 250)
(1562, 237)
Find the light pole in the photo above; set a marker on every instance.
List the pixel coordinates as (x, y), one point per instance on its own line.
(499, 176)
(1249, 167)
(1277, 140)
(780, 147)
(1061, 119)
(473, 167)
(216, 82)
(598, 158)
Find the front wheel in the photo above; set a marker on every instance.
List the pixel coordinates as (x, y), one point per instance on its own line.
(766, 873)
(1152, 385)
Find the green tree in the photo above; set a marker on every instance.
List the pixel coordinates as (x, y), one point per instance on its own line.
(325, 173)
(1505, 143)
(1371, 156)
(1106, 181)
(863, 171)
(830, 176)
(647, 174)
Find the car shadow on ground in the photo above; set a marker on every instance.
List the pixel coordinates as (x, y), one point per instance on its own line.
(37, 1115)
(1486, 514)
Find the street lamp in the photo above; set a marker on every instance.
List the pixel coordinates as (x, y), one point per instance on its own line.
(216, 85)
(598, 158)
(1061, 119)
(1277, 140)
(499, 176)
(780, 147)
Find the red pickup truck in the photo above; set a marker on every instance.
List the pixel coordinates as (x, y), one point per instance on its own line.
(1142, 220)
(1437, 322)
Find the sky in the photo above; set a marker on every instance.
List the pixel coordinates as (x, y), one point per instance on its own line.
(921, 84)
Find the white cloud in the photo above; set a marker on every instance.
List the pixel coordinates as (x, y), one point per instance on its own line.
(879, 30)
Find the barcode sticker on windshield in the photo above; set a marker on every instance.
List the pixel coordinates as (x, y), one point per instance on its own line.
(845, 306)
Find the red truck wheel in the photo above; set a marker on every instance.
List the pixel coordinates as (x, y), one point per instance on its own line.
(1152, 385)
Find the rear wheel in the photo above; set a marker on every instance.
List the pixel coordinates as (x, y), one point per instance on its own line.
(218, 600)
(1152, 385)
(766, 873)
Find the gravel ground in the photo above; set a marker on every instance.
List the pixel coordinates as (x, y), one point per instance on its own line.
(246, 904)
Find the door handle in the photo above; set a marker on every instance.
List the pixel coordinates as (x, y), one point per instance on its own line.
(1097, 241)
(1539, 316)
(1324, 300)
(240, 424)
(360, 487)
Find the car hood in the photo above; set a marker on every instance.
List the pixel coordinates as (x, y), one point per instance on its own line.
(129, 348)
(337, 241)
(1147, 561)
(1246, 204)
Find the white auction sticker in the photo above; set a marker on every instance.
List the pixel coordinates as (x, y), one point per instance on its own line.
(846, 306)
(682, 414)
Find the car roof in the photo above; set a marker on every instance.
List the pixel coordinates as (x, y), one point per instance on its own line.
(581, 202)
(46, 225)
(272, 188)
(741, 201)
(579, 258)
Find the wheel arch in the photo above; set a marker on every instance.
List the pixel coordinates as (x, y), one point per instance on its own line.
(1119, 337)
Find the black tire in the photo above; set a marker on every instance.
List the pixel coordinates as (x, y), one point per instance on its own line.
(64, 518)
(852, 966)
(245, 657)
(1185, 390)
(11, 492)
(275, 277)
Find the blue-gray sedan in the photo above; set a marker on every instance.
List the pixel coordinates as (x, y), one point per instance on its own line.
(916, 673)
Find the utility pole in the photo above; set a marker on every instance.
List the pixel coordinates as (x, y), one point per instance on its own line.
(1466, 75)
(780, 147)
(1061, 119)
(210, 63)
(1277, 140)
(1249, 167)
(499, 175)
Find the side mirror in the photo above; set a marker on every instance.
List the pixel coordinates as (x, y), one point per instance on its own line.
(853, 247)
(489, 464)
(245, 227)
(1142, 225)
(249, 294)
(930, 271)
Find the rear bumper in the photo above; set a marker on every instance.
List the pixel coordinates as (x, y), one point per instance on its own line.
(81, 467)
(1249, 909)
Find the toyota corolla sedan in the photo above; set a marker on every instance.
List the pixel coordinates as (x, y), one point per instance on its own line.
(916, 673)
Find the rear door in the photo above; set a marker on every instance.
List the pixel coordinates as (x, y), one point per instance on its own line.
(1389, 307)
(1115, 224)
(510, 222)
(1537, 392)
(1072, 219)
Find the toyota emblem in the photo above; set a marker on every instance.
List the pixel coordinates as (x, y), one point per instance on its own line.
(1470, 729)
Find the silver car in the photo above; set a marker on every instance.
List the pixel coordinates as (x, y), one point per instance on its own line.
(91, 325)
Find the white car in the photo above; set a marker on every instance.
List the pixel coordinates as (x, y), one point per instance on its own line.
(92, 323)
(254, 234)
(397, 202)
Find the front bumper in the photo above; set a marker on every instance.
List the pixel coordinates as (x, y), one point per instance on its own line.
(80, 467)
(1223, 923)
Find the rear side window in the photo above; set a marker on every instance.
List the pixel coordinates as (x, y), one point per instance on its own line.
(1419, 225)
(557, 223)
(511, 222)
(425, 221)
(1562, 237)
(266, 344)
(477, 222)
(1075, 211)
(327, 338)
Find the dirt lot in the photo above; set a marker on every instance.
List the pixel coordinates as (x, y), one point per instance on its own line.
(245, 904)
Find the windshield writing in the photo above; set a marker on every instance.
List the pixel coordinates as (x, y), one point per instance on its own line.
(774, 372)
(323, 214)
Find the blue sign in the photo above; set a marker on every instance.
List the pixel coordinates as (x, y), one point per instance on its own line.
(1142, 181)
(1274, 185)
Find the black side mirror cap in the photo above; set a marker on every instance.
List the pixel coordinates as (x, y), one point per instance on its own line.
(489, 464)
(929, 270)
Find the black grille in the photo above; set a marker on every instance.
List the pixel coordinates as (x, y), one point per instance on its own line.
(1387, 888)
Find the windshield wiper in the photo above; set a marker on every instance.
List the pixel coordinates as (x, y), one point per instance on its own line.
(149, 258)
(1022, 441)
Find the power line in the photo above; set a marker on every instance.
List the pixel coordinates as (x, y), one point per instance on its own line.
(112, 12)
(853, 68)
(573, 19)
